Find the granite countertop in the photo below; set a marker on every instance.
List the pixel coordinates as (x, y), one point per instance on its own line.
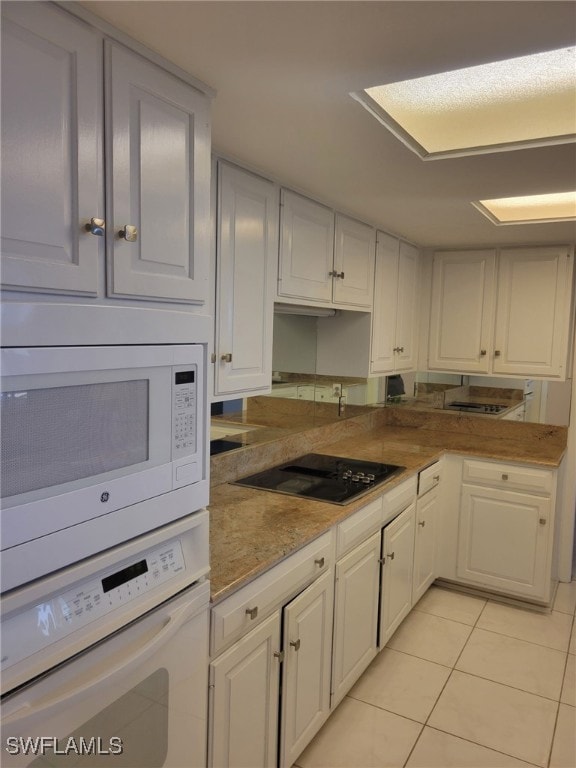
(252, 530)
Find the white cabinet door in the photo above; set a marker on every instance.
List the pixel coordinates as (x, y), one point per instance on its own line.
(407, 308)
(306, 249)
(462, 311)
(504, 541)
(398, 560)
(51, 150)
(425, 543)
(247, 243)
(394, 319)
(244, 695)
(532, 317)
(307, 643)
(159, 163)
(383, 356)
(355, 615)
(354, 253)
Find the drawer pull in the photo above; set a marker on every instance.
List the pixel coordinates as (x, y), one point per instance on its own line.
(319, 562)
(252, 612)
(295, 644)
(422, 523)
(542, 521)
(391, 556)
(436, 478)
(504, 476)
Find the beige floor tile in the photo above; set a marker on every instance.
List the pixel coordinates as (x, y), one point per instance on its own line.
(435, 749)
(565, 600)
(569, 687)
(496, 716)
(549, 629)
(451, 605)
(514, 662)
(430, 637)
(564, 746)
(402, 684)
(358, 735)
(572, 648)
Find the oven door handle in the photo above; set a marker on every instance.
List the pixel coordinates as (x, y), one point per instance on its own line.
(170, 626)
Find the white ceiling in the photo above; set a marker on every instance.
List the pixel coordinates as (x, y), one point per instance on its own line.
(283, 71)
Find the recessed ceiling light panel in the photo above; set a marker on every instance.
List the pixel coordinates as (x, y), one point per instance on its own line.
(502, 105)
(530, 209)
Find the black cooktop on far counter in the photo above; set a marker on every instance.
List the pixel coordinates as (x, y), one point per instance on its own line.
(321, 477)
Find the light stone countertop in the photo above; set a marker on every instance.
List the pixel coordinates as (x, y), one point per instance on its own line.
(252, 530)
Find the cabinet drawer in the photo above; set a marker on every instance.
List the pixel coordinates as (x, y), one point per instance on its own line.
(399, 498)
(359, 526)
(429, 478)
(234, 616)
(510, 476)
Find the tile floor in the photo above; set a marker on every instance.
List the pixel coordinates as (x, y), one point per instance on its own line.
(463, 683)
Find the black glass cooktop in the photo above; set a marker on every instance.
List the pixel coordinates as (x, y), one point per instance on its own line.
(322, 477)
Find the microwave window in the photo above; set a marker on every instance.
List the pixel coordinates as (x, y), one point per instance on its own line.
(61, 434)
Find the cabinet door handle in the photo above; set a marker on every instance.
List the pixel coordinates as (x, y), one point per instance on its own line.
(332, 273)
(542, 521)
(436, 478)
(497, 353)
(340, 275)
(391, 556)
(504, 476)
(295, 644)
(320, 562)
(227, 358)
(482, 353)
(252, 612)
(422, 523)
(129, 233)
(279, 655)
(96, 227)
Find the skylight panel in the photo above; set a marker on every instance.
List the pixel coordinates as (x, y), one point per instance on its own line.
(530, 208)
(502, 105)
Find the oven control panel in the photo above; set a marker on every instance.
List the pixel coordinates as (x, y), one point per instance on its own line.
(39, 626)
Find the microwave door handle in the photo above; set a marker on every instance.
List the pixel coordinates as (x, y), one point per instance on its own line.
(169, 628)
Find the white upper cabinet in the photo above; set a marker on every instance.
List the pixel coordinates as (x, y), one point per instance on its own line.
(153, 222)
(462, 311)
(394, 319)
(325, 259)
(51, 150)
(306, 249)
(246, 263)
(533, 311)
(353, 273)
(505, 314)
(159, 149)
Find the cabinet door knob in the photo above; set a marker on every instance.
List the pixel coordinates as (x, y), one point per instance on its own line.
(295, 644)
(96, 227)
(340, 275)
(482, 353)
(436, 478)
(422, 523)
(320, 562)
(391, 556)
(252, 612)
(497, 353)
(129, 233)
(332, 273)
(227, 358)
(400, 349)
(504, 476)
(542, 521)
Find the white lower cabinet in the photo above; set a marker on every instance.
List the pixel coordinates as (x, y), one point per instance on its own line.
(397, 567)
(426, 533)
(307, 644)
(505, 535)
(245, 686)
(504, 540)
(355, 615)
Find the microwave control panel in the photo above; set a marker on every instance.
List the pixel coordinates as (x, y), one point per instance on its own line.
(184, 411)
(39, 626)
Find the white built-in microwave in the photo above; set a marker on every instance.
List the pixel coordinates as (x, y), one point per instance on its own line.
(99, 444)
